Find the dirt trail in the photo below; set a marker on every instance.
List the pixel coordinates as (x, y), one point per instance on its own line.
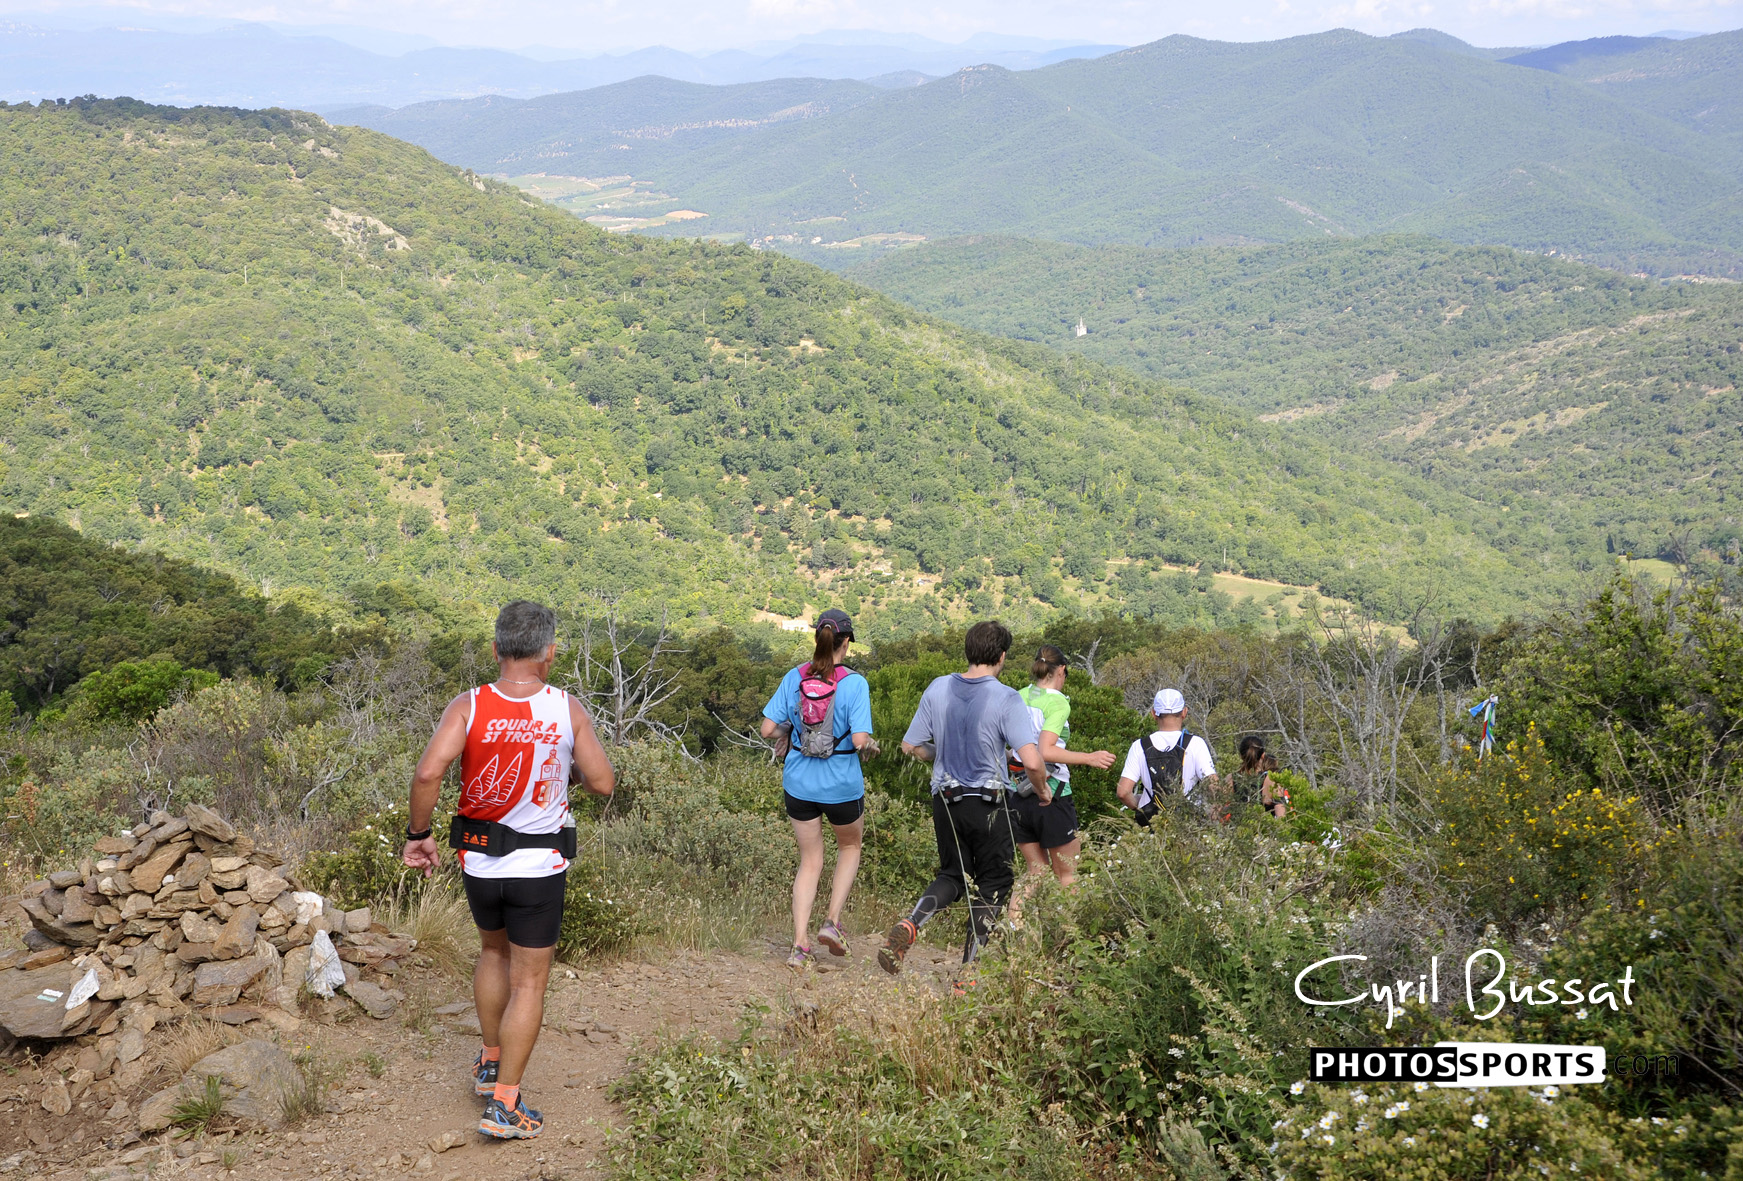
(382, 1125)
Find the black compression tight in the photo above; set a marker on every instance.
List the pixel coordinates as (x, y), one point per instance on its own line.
(974, 860)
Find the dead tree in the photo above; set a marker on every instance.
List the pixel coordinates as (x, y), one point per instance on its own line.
(1367, 682)
(1086, 662)
(623, 677)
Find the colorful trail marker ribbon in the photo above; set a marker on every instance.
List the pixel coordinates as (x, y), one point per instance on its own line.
(1486, 711)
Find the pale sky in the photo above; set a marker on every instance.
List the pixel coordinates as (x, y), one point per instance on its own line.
(593, 26)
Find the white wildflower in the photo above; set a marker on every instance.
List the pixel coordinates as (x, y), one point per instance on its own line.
(1480, 1120)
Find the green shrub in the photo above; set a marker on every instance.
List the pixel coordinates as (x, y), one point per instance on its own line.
(86, 794)
(1683, 935)
(135, 690)
(922, 1095)
(1638, 690)
(594, 919)
(901, 848)
(1310, 816)
(366, 866)
(1415, 1132)
(1180, 980)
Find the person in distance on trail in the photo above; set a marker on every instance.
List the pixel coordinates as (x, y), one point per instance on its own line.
(1046, 835)
(820, 716)
(964, 724)
(520, 743)
(1170, 763)
(1250, 788)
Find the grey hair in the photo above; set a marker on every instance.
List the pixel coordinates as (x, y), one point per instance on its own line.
(524, 630)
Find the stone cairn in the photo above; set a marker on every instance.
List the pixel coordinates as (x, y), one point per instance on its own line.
(182, 915)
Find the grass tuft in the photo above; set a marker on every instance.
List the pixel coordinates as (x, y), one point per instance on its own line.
(439, 919)
(195, 1113)
(307, 1098)
(196, 1038)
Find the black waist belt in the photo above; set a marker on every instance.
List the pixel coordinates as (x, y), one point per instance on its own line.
(955, 793)
(494, 839)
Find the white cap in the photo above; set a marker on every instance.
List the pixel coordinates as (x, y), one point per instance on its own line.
(1168, 701)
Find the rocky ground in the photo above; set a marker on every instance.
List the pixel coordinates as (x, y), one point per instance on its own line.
(395, 1095)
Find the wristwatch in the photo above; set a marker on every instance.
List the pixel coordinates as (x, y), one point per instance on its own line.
(418, 836)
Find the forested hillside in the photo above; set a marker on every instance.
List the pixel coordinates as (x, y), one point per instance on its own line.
(627, 127)
(1583, 404)
(1695, 82)
(318, 357)
(1188, 142)
(71, 606)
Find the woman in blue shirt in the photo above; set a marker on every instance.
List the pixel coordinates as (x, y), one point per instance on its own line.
(821, 714)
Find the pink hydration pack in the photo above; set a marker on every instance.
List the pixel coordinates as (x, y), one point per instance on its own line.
(816, 726)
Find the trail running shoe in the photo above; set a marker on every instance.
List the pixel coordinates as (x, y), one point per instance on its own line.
(896, 945)
(520, 1123)
(800, 957)
(484, 1075)
(834, 938)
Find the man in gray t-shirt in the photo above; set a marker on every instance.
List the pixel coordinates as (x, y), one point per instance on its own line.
(969, 721)
(963, 726)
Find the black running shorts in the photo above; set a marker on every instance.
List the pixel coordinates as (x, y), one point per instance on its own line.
(530, 908)
(1050, 826)
(840, 815)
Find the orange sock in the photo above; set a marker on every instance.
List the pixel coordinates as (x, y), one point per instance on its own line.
(508, 1096)
(492, 1053)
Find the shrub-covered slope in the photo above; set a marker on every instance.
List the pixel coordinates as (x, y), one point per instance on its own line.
(319, 357)
(1599, 411)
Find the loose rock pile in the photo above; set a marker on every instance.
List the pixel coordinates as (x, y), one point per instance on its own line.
(182, 914)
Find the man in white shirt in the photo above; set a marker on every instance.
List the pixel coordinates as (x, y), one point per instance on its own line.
(1162, 757)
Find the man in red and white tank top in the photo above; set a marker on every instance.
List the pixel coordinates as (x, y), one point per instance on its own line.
(520, 743)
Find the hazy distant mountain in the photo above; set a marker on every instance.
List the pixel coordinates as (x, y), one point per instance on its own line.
(256, 65)
(1180, 142)
(1695, 81)
(1452, 44)
(607, 130)
(1559, 57)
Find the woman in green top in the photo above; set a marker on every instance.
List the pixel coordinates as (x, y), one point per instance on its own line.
(1250, 788)
(1046, 834)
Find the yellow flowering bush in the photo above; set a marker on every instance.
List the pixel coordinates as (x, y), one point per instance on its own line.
(1519, 835)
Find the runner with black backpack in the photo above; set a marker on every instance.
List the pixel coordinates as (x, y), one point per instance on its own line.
(820, 717)
(1168, 764)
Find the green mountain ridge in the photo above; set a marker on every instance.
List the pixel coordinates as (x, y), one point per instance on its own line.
(1694, 82)
(1188, 142)
(320, 360)
(1601, 412)
(607, 129)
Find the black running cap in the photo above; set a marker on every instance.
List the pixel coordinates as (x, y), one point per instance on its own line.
(837, 618)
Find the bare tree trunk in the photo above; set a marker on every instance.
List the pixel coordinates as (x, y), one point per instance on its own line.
(620, 685)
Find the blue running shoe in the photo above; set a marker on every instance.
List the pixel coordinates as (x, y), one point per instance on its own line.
(484, 1075)
(518, 1123)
